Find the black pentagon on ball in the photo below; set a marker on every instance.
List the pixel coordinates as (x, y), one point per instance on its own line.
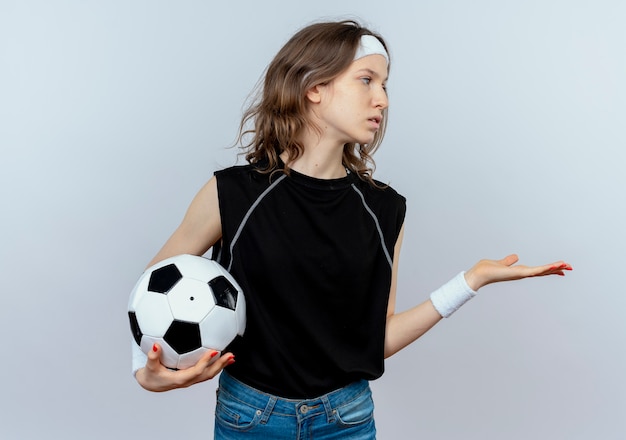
(224, 292)
(183, 336)
(134, 327)
(164, 278)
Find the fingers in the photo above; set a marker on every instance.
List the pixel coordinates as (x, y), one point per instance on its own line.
(225, 360)
(561, 266)
(211, 359)
(557, 268)
(206, 368)
(205, 361)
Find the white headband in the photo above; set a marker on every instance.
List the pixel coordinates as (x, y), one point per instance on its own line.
(370, 45)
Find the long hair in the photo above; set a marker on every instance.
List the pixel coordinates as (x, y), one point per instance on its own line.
(271, 124)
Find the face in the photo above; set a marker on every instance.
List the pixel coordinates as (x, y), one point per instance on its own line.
(349, 108)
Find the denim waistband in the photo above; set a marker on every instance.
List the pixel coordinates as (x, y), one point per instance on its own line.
(296, 407)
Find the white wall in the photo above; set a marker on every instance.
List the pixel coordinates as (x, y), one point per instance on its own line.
(506, 135)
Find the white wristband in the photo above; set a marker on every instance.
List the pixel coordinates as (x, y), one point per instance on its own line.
(139, 358)
(452, 295)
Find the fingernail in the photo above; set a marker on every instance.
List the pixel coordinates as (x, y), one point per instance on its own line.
(214, 354)
(154, 348)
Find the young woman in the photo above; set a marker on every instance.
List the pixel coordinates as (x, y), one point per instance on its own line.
(314, 242)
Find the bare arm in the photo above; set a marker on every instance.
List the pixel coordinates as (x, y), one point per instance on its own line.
(406, 327)
(200, 229)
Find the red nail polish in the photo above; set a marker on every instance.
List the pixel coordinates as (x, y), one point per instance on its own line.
(214, 354)
(154, 348)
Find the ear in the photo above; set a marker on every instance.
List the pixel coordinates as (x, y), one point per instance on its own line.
(314, 94)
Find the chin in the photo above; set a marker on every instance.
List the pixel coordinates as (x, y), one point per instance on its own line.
(367, 139)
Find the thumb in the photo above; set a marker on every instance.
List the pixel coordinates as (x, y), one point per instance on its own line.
(154, 355)
(510, 260)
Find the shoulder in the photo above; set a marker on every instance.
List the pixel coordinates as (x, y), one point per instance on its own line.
(385, 202)
(234, 171)
(240, 174)
(243, 180)
(380, 192)
(252, 172)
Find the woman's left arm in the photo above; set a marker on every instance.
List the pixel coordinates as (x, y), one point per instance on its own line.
(406, 327)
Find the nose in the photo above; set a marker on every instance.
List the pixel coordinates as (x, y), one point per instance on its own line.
(381, 100)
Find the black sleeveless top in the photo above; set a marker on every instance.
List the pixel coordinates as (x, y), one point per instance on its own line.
(314, 259)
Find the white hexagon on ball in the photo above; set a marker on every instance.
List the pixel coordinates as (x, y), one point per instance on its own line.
(154, 314)
(191, 300)
(219, 328)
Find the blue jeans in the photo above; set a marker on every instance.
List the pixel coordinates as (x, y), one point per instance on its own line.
(243, 412)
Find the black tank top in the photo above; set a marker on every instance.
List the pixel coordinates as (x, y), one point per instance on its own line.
(314, 259)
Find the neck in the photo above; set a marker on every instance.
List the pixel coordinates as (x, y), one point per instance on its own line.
(322, 160)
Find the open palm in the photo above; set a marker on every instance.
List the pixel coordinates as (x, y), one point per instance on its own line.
(492, 271)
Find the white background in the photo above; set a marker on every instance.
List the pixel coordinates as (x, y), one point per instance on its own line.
(506, 134)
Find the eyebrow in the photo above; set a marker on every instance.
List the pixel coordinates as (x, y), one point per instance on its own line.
(372, 72)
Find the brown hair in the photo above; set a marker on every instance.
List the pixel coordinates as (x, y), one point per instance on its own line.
(315, 55)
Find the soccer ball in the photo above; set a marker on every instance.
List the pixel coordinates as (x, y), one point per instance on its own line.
(188, 305)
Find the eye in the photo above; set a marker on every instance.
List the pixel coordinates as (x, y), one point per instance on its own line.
(366, 80)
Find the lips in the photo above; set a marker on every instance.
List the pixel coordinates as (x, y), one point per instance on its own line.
(375, 121)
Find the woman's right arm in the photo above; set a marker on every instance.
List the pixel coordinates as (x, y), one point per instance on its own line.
(200, 229)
